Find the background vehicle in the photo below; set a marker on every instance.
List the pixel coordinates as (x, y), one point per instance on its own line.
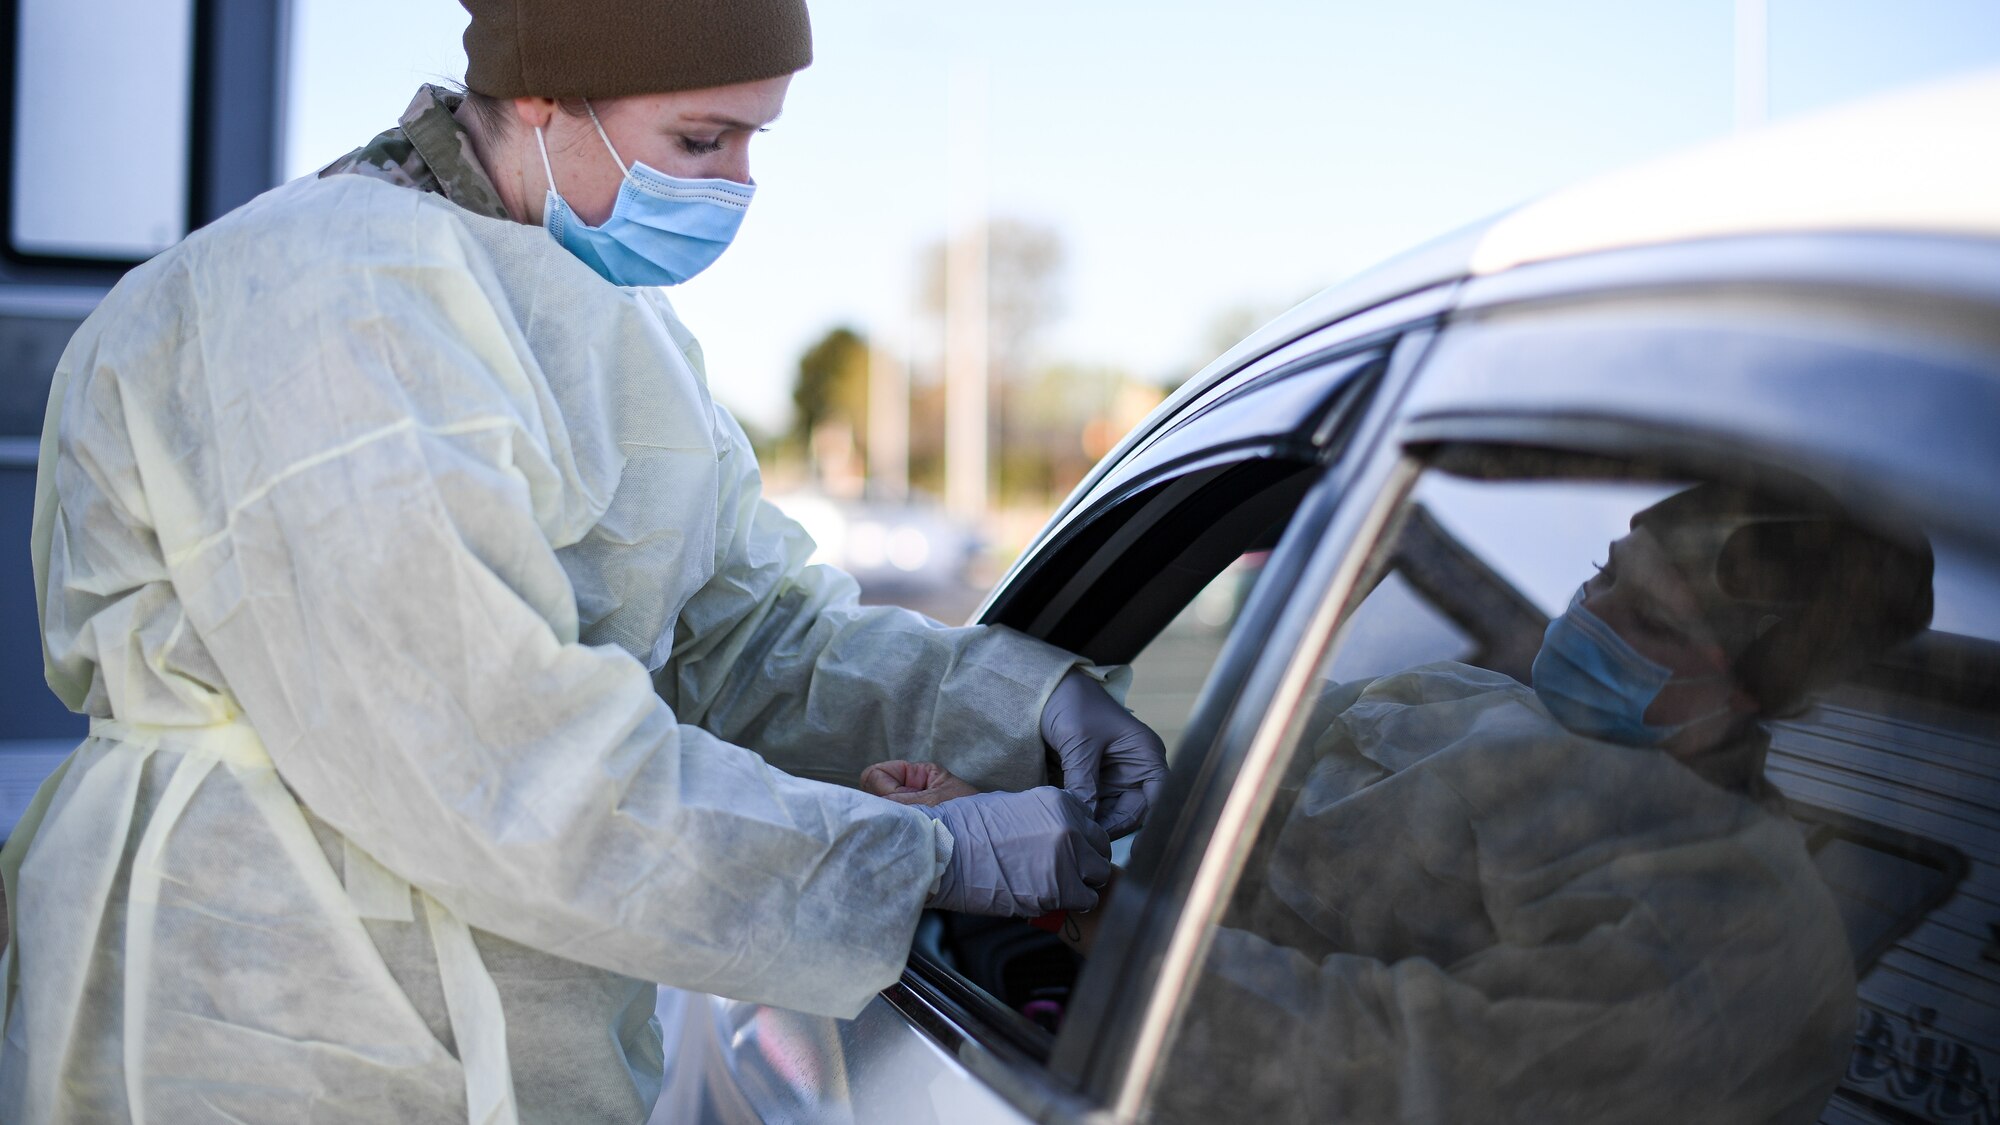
(910, 553)
(1431, 456)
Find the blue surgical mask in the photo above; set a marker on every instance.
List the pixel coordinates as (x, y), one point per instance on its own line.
(662, 229)
(1595, 683)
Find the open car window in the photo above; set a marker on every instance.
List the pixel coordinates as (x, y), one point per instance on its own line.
(1180, 582)
(1627, 790)
(1154, 575)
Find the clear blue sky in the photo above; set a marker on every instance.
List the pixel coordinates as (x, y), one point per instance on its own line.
(1196, 157)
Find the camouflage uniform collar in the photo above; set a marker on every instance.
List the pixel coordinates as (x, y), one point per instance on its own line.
(428, 151)
(447, 148)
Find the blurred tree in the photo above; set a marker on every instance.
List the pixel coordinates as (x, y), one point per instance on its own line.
(832, 384)
(830, 407)
(766, 445)
(1024, 297)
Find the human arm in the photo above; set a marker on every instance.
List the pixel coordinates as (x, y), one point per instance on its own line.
(359, 493)
(781, 656)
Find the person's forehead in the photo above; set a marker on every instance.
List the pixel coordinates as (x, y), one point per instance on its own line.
(750, 105)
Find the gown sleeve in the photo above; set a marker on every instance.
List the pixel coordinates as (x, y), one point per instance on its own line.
(778, 655)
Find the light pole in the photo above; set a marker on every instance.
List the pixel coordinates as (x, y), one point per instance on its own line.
(965, 374)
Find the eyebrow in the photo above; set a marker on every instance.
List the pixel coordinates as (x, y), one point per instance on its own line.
(726, 121)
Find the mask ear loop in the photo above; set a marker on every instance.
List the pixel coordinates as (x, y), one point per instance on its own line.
(605, 137)
(548, 173)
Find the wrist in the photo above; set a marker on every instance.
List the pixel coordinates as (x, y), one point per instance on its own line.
(942, 846)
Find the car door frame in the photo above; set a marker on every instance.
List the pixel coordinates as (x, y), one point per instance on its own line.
(1106, 1034)
(1534, 410)
(1132, 937)
(961, 1020)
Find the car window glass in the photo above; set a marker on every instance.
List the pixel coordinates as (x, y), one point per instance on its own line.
(1706, 834)
(1397, 627)
(1168, 674)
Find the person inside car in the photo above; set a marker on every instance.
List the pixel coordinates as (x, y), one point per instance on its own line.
(1579, 900)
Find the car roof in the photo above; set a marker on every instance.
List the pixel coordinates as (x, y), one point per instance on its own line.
(1920, 161)
(1925, 160)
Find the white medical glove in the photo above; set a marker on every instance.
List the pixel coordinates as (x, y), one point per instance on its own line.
(1020, 854)
(1114, 763)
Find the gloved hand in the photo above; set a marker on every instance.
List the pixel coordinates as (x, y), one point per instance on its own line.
(1020, 854)
(1114, 763)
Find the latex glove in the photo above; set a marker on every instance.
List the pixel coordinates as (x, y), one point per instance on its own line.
(1112, 762)
(914, 783)
(1020, 854)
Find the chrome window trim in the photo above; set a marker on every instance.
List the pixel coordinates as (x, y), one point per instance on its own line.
(1018, 1079)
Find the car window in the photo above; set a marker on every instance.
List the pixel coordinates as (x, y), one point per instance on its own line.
(1178, 590)
(1153, 574)
(1626, 791)
(1167, 676)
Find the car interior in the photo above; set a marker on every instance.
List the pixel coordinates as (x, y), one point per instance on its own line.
(1876, 776)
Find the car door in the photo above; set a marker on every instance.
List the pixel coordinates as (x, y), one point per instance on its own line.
(1421, 897)
(995, 1020)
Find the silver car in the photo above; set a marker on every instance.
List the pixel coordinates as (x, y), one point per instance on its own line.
(1394, 492)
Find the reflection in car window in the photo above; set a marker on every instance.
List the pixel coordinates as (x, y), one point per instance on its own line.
(1396, 628)
(1685, 815)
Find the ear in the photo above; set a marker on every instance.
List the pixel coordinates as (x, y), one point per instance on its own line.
(534, 113)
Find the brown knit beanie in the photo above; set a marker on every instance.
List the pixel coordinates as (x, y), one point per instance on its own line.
(611, 48)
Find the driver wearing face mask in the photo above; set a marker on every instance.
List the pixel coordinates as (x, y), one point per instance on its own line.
(1576, 901)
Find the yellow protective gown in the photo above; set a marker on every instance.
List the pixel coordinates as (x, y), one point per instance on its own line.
(1468, 913)
(422, 602)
